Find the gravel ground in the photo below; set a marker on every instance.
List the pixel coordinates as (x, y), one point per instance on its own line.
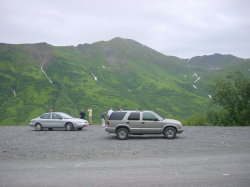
(23, 143)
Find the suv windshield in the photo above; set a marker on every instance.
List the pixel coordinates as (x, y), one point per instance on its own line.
(158, 116)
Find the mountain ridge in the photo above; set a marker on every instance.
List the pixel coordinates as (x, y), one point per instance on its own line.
(114, 73)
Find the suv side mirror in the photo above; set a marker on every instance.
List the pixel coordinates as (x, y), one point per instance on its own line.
(156, 119)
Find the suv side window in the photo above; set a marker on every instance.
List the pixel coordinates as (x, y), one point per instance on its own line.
(56, 116)
(117, 115)
(45, 116)
(134, 116)
(148, 116)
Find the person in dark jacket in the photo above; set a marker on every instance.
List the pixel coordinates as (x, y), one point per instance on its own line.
(82, 114)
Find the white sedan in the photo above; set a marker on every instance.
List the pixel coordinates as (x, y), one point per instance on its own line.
(58, 120)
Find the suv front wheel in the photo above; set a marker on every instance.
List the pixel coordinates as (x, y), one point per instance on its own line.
(169, 133)
(122, 134)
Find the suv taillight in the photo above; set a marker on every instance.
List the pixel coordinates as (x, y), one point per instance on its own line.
(108, 123)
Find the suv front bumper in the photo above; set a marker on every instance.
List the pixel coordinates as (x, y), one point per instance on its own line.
(180, 130)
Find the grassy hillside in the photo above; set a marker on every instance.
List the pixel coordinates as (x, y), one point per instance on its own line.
(119, 72)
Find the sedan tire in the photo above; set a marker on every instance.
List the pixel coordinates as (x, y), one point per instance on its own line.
(39, 127)
(68, 127)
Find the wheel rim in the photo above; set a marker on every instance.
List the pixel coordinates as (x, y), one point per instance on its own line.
(38, 127)
(122, 134)
(68, 127)
(170, 133)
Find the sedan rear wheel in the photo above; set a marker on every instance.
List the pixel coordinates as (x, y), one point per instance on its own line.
(69, 127)
(39, 127)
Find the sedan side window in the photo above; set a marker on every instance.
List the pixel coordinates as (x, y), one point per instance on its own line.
(45, 116)
(56, 116)
(148, 116)
(134, 116)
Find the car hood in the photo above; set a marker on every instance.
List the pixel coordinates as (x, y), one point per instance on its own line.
(172, 121)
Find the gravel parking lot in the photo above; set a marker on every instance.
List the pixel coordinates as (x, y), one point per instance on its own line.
(93, 142)
(200, 156)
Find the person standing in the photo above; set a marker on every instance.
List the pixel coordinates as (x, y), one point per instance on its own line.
(110, 112)
(82, 114)
(90, 113)
(103, 119)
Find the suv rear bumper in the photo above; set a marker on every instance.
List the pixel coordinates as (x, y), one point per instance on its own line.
(110, 129)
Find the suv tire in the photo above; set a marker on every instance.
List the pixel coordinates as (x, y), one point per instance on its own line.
(122, 134)
(169, 133)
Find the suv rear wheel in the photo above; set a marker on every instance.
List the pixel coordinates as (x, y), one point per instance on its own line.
(169, 133)
(122, 134)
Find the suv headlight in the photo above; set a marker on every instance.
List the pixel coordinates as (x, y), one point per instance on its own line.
(179, 126)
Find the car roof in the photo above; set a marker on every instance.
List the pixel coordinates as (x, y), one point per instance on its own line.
(133, 110)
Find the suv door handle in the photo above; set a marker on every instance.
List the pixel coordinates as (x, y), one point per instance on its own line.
(143, 122)
(127, 122)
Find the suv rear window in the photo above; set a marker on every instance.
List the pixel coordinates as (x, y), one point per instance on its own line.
(117, 115)
(134, 116)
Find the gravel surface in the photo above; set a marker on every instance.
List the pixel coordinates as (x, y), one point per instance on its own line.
(24, 143)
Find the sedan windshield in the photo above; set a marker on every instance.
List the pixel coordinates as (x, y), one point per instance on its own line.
(65, 116)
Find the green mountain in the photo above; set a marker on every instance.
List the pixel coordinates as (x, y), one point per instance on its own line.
(120, 72)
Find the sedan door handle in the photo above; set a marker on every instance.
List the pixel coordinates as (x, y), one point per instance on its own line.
(127, 122)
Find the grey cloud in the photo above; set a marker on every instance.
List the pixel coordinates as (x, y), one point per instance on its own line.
(180, 28)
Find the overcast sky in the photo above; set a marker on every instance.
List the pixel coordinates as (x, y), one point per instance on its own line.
(183, 28)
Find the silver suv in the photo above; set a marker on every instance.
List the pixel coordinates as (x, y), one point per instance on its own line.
(136, 122)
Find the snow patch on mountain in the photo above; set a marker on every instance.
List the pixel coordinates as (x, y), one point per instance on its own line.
(95, 78)
(46, 76)
(197, 79)
(130, 91)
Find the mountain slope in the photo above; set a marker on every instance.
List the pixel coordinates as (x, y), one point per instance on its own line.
(119, 72)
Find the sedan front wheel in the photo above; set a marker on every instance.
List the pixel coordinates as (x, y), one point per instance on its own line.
(69, 127)
(39, 127)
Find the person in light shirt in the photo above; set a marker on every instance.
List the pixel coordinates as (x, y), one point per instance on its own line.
(90, 113)
(110, 112)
